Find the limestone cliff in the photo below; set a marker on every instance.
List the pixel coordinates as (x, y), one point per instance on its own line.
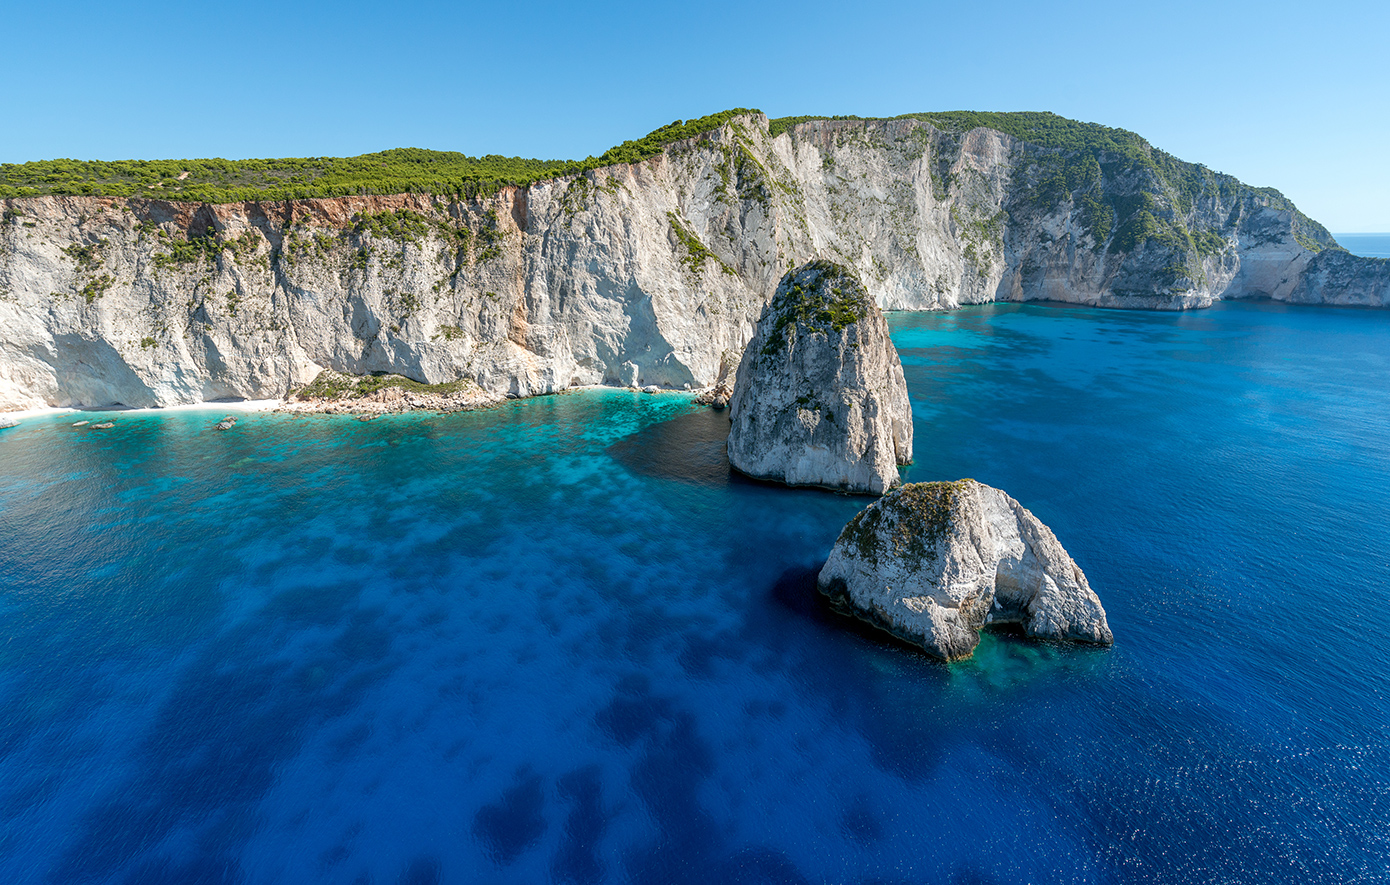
(651, 272)
(820, 398)
(933, 563)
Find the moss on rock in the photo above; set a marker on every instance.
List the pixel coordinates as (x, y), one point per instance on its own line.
(911, 521)
(337, 385)
(818, 297)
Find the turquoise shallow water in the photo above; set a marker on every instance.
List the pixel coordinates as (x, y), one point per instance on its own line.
(557, 641)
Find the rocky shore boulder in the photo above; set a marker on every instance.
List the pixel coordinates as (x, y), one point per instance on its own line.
(820, 398)
(933, 563)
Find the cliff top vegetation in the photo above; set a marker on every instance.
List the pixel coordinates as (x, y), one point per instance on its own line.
(820, 296)
(399, 171)
(1074, 155)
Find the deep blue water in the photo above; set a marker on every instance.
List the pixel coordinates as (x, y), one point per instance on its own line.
(1365, 245)
(556, 641)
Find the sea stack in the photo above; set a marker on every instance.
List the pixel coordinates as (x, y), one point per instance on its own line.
(820, 398)
(933, 563)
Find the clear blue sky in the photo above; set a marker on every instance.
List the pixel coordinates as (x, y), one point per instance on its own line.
(1290, 95)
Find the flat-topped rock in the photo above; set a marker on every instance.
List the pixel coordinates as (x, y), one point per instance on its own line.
(933, 563)
(820, 398)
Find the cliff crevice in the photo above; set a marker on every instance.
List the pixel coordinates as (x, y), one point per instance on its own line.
(635, 273)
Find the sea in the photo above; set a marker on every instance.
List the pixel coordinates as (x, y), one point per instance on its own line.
(1365, 245)
(558, 641)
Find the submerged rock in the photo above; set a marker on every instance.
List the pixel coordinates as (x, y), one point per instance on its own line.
(933, 563)
(104, 425)
(226, 423)
(820, 398)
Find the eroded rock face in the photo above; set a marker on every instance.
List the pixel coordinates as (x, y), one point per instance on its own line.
(1343, 279)
(933, 563)
(635, 274)
(820, 398)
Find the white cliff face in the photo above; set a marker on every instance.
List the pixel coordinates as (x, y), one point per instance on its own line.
(1343, 279)
(820, 398)
(646, 273)
(933, 563)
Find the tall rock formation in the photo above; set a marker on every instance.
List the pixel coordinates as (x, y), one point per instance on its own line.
(648, 272)
(933, 563)
(820, 398)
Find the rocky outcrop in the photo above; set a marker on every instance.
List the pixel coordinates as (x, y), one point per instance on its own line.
(820, 398)
(333, 393)
(637, 274)
(933, 563)
(1343, 279)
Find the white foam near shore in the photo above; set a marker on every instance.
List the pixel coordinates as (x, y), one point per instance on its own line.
(249, 405)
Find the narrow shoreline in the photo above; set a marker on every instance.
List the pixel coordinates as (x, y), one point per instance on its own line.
(344, 407)
(250, 405)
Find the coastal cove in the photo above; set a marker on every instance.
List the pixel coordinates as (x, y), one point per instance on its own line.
(557, 640)
(646, 266)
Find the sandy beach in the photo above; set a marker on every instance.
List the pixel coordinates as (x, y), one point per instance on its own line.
(252, 405)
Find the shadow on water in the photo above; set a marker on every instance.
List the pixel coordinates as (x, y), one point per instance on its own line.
(688, 448)
(213, 750)
(795, 592)
(423, 870)
(675, 762)
(893, 694)
(860, 672)
(515, 823)
(693, 448)
(577, 859)
(673, 769)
